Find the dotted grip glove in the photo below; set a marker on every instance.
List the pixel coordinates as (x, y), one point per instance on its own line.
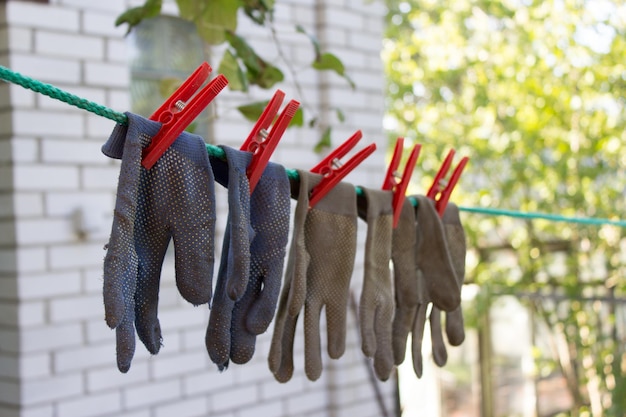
(455, 332)
(173, 200)
(376, 308)
(403, 244)
(437, 282)
(319, 268)
(235, 322)
(232, 276)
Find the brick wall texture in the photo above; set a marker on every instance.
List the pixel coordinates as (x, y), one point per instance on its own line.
(57, 356)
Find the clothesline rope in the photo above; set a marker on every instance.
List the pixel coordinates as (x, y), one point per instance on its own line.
(58, 94)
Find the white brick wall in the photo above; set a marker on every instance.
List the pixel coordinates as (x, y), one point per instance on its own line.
(57, 357)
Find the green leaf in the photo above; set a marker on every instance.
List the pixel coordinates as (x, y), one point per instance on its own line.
(259, 72)
(324, 141)
(190, 9)
(313, 39)
(313, 122)
(213, 18)
(135, 15)
(268, 77)
(349, 80)
(298, 118)
(252, 111)
(258, 10)
(231, 69)
(244, 52)
(328, 61)
(340, 115)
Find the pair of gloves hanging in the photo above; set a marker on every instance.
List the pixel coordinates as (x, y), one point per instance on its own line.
(434, 278)
(176, 200)
(428, 265)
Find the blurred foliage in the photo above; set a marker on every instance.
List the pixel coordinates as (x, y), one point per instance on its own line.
(534, 92)
(216, 23)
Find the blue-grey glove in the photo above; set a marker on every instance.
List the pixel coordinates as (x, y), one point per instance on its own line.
(235, 323)
(234, 270)
(173, 200)
(253, 313)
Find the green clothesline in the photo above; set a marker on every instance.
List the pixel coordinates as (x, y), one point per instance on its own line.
(58, 94)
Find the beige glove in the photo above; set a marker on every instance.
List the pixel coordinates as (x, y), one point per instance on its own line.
(455, 333)
(319, 268)
(377, 304)
(403, 242)
(437, 282)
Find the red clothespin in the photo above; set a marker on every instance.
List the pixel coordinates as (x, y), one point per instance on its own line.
(180, 109)
(440, 187)
(333, 170)
(399, 186)
(262, 142)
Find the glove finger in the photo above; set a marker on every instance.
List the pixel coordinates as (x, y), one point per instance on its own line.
(366, 320)
(242, 342)
(403, 245)
(455, 236)
(194, 264)
(336, 318)
(265, 295)
(217, 338)
(402, 322)
(274, 357)
(242, 345)
(239, 256)
(120, 262)
(125, 341)
(418, 336)
(440, 354)
(148, 281)
(299, 257)
(120, 282)
(232, 174)
(191, 216)
(383, 359)
(454, 327)
(281, 351)
(312, 343)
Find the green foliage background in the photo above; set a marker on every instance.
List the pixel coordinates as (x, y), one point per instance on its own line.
(534, 92)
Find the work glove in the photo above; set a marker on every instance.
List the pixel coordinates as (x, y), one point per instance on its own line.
(319, 268)
(376, 307)
(403, 242)
(437, 283)
(235, 322)
(234, 270)
(270, 210)
(457, 245)
(173, 200)
(455, 332)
